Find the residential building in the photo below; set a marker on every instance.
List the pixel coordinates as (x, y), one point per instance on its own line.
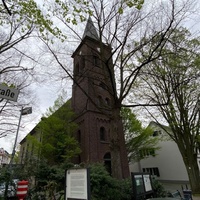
(167, 165)
(4, 157)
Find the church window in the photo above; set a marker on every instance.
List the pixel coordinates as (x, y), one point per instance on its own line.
(102, 134)
(100, 100)
(83, 62)
(107, 101)
(107, 162)
(77, 68)
(96, 61)
(79, 136)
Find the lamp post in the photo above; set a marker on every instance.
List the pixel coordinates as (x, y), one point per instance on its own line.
(24, 111)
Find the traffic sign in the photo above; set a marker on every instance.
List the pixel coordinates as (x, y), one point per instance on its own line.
(8, 92)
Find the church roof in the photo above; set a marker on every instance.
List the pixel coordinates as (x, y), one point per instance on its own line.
(90, 30)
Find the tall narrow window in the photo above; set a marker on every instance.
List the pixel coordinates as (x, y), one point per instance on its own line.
(96, 61)
(107, 162)
(83, 62)
(100, 100)
(77, 68)
(107, 101)
(102, 134)
(79, 136)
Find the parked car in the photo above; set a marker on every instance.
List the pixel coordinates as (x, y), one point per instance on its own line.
(10, 193)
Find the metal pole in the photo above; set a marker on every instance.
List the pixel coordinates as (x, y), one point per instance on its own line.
(15, 143)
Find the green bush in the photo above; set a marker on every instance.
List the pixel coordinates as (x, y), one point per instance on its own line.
(158, 188)
(104, 187)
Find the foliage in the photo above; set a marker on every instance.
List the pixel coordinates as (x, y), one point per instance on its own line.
(58, 144)
(105, 187)
(49, 180)
(158, 188)
(138, 139)
(173, 85)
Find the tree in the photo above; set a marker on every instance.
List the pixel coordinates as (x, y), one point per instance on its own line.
(58, 144)
(122, 27)
(20, 23)
(174, 78)
(138, 139)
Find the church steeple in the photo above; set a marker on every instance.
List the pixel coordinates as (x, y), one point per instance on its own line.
(90, 30)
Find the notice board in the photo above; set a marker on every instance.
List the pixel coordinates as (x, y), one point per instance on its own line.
(77, 184)
(142, 185)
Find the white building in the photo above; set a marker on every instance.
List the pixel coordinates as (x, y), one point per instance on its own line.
(4, 157)
(167, 165)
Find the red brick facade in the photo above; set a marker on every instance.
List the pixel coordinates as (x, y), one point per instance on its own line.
(91, 101)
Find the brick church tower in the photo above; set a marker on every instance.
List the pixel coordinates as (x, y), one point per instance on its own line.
(91, 100)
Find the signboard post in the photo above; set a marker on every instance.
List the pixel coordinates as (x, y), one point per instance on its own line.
(8, 93)
(77, 184)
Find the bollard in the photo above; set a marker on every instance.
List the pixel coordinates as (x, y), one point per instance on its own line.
(22, 188)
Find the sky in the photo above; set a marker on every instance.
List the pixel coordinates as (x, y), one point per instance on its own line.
(46, 97)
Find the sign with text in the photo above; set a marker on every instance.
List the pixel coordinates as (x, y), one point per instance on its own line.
(147, 183)
(77, 183)
(142, 185)
(8, 93)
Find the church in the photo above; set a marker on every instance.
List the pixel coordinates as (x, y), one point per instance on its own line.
(92, 102)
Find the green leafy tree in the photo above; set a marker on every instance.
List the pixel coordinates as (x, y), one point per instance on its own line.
(173, 84)
(138, 139)
(58, 144)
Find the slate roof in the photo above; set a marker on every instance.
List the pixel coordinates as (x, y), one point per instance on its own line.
(90, 30)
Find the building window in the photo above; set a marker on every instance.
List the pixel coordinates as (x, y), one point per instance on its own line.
(100, 100)
(79, 136)
(107, 162)
(77, 68)
(156, 133)
(154, 171)
(102, 134)
(147, 152)
(83, 62)
(107, 101)
(96, 61)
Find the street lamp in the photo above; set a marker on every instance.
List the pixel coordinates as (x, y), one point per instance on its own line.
(24, 111)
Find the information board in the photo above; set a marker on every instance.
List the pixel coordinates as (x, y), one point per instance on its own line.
(147, 183)
(142, 185)
(77, 184)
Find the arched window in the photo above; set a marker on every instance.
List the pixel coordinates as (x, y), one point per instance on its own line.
(100, 100)
(107, 101)
(102, 134)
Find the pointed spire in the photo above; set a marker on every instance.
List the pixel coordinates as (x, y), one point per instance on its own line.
(90, 30)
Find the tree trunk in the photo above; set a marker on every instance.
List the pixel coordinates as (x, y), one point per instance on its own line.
(119, 158)
(193, 173)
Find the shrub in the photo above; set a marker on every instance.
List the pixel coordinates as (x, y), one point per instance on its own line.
(104, 187)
